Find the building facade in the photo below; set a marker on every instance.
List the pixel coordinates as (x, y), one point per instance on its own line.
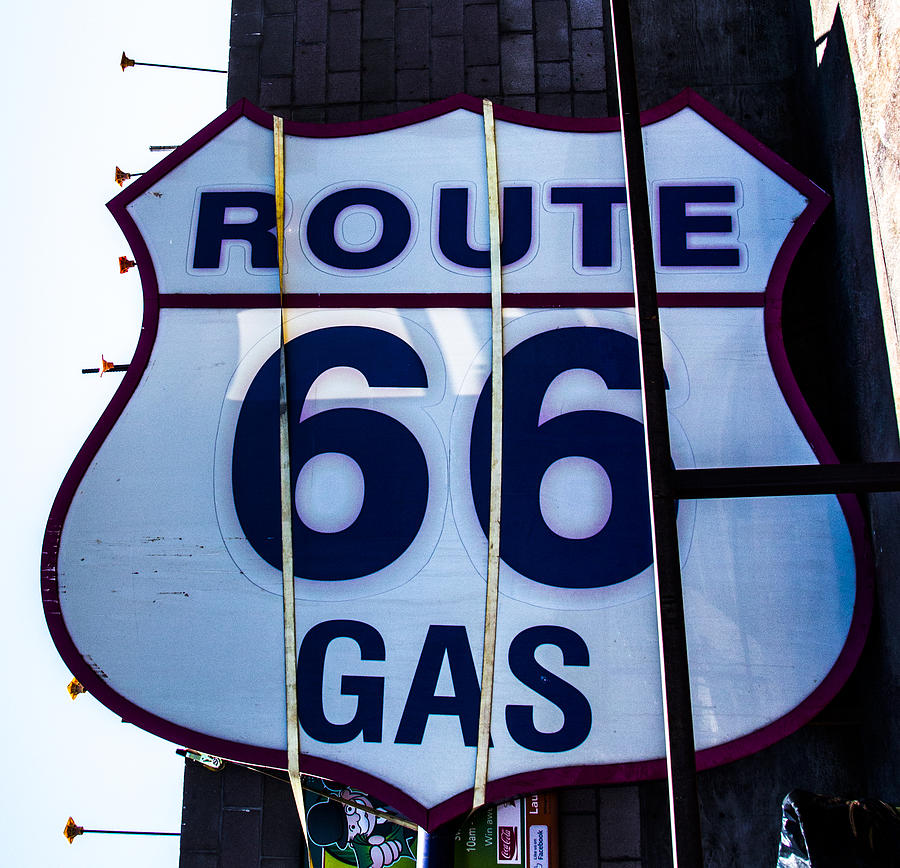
(816, 82)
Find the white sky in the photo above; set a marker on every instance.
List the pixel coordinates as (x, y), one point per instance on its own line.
(72, 116)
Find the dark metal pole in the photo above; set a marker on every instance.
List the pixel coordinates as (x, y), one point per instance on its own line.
(113, 368)
(786, 480)
(435, 849)
(684, 809)
(125, 832)
(126, 61)
(175, 66)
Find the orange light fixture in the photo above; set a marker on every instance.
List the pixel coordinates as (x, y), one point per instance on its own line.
(75, 688)
(72, 831)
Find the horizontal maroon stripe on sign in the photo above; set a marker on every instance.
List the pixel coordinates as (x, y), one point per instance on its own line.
(460, 300)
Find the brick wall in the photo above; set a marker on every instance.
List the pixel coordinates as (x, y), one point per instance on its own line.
(238, 818)
(600, 827)
(343, 60)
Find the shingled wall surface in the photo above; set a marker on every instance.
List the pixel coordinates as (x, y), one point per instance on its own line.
(238, 818)
(343, 60)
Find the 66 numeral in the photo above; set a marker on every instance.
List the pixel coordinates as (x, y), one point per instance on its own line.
(395, 470)
(622, 547)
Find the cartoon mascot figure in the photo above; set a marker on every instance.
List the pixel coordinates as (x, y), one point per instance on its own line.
(355, 836)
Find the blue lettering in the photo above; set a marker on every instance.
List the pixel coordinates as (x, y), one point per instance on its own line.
(395, 235)
(213, 229)
(676, 224)
(390, 457)
(421, 702)
(595, 207)
(575, 708)
(454, 228)
(368, 690)
(622, 547)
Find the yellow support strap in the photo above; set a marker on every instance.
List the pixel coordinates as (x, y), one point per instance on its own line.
(493, 571)
(287, 534)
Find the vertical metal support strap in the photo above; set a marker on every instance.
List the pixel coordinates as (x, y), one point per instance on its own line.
(677, 714)
(287, 534)
(493, 566)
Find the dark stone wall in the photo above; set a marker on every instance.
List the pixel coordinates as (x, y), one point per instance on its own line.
(338, 60)
(238, 818)
(757, 62)
(742, 56)
(854, 369)
(342, 60)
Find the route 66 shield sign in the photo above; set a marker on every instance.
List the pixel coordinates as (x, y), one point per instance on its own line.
(162, 560)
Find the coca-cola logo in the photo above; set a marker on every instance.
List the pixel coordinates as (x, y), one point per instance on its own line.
(507, 843)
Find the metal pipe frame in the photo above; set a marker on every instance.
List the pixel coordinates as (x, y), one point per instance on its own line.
(667, 484)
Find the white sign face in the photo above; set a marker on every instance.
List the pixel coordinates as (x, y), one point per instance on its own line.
(162, 570)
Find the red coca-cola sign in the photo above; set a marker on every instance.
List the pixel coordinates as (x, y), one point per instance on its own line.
(507, 843)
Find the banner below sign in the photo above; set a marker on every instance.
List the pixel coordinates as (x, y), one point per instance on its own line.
(520, 832)
(162, 567)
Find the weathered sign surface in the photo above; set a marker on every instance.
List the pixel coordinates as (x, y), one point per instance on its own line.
(162, 565)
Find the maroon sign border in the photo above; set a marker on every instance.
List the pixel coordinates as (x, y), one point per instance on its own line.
(538, 779)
